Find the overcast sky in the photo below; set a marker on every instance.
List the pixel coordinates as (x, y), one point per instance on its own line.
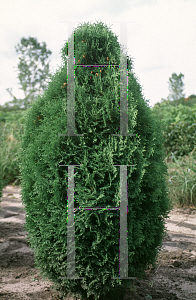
(161, 36)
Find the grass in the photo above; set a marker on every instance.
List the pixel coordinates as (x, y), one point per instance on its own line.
(181, 177)
(182, 180)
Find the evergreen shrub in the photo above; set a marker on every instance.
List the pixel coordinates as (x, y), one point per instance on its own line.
(97, 182)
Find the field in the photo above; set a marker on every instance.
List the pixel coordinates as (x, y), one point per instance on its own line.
(173, 277)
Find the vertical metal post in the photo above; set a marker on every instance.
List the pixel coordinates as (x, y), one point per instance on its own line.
(71, 226)
(123, 169)
(71, 132)
(70, 87)
(123, 249)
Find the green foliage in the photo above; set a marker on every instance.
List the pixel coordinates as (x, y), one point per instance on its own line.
(190, 101)
(10, 117)
(10, 108)
(1, 186)
(179, 127)
(11, 131)
(97, 181)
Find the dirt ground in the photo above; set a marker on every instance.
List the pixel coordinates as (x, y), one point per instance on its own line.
(174, 276)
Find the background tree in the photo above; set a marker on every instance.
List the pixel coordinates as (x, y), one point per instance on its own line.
(176, 96)
(27, 67)
(176, 87)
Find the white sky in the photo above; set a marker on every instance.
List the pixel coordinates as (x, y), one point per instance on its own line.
(161, 37)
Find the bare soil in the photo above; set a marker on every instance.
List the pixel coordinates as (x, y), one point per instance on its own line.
(174, 276)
